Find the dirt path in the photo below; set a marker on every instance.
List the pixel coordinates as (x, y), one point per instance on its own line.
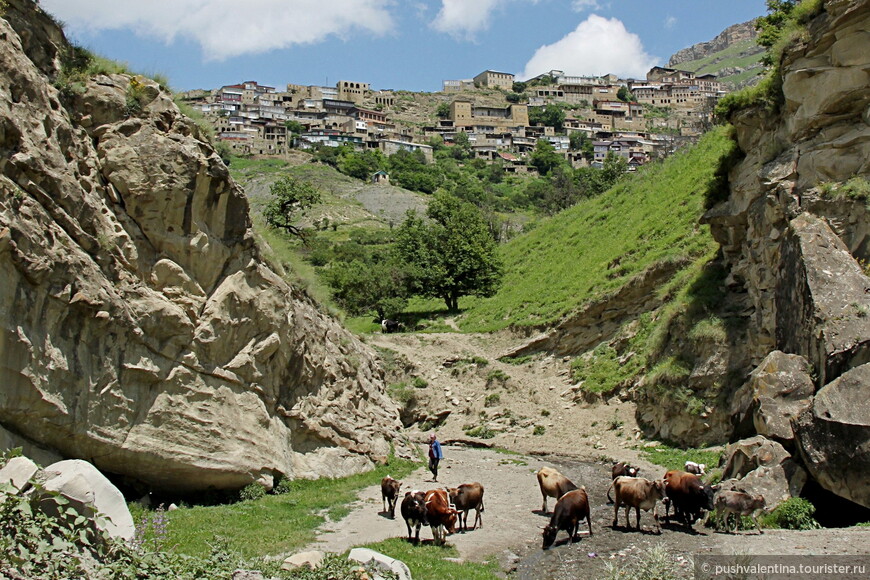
(578, 437)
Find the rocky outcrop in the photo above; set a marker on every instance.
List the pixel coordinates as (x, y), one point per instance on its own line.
(728, 37)
(760, 466)
(793, 233)
(139, 327)
(834, 436)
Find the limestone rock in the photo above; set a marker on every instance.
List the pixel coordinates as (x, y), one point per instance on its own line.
(778, 389)
(92, 495)
(139, 324)
(18, 471)
(759, 465)
(833, 436)
(312, 559)
(365, 556)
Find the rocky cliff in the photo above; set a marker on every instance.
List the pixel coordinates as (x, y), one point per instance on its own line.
(139, 327)
(795, 235)
(727, 38)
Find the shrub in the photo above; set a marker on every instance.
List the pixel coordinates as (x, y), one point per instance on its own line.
(497, 375)
(252, 491)
(401, 393)
(481, 432)
(658, 563)
(492, 400)
(420, 383)
(794, 513)
(539, 430)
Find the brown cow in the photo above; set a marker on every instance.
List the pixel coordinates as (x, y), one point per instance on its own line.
(638, 493)
(441, 517)
(739, 503)
(688, 495)
(569, 510)
(414, 511)
(464, 498)
(621, 468)
(553, 484)
(389, 494)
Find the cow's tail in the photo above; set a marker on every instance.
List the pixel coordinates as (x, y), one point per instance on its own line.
(609, 500)
(482, 509)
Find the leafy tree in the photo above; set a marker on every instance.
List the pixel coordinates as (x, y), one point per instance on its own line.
(361, 164)
(295, 127)
(544, 158)
(519, 87)
(623, 94)
(549, 116)
(364, 287)
(461, 146)
(443, 111)
(513, 97)
(451, 255)
(563, 191)
(290, 199)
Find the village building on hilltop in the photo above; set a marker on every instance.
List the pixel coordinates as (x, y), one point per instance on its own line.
(636, 119)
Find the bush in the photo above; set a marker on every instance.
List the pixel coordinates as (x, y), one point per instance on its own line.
(492, 400)
(794, 513)
(481, 432)
(539, 430)
(252, 491)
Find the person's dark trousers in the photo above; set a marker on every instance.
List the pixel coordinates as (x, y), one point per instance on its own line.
(433, 467)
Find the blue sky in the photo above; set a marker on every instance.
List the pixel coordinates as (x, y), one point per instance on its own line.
(391, 44)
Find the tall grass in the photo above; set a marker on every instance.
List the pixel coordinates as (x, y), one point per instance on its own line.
(596, 247)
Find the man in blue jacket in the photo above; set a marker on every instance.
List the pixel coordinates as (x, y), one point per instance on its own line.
(435, 455)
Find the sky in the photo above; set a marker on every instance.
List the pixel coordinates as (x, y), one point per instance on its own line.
(409, 45)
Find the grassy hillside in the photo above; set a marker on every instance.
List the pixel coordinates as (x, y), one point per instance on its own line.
(734, 65)
(597, 246)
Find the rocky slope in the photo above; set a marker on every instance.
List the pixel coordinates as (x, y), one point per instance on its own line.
(794, 235)
(139, 327)
(728, 37)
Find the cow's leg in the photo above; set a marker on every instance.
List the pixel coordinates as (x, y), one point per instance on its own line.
(637, 516)
(544, 507)
(755, 521)
(656, 518)
(615, 514)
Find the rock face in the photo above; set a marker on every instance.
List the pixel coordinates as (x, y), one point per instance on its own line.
(760, 466)
(729, 36)
(792, 234)
(834, 436)
(139, 327)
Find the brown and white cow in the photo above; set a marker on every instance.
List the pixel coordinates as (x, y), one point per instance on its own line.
(414, 512)
(689, 496)
(553, 484)
(638, 493)
(570, 509)
(389, 495)
(621, 468)
(441, 516)
(464, 498)
(729, 502)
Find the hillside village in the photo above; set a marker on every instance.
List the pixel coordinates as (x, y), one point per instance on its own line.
(636, 119)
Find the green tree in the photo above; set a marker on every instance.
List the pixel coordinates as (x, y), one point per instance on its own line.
(519, 87)
(295, 127)
(549, 116)
(544, 158)
(442, 111)
(623, 94)
(365, 287)
(450, 255)
(461, 146)
(290, 199)
(361, 164)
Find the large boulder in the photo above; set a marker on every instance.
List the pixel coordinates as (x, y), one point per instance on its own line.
(18, 472)
(139, 324)
(760, 466)
(92, 495)
(777, 390)
(833, 436)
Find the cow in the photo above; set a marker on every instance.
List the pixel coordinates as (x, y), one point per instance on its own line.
(696, 468)
(638, 493)
(388, 325)
(729, 502)
(553, 484)
(621, 468)
(414, 511)
(389, 494)
(466, 497)
(440, 514)
(570, 509)
(688, 495)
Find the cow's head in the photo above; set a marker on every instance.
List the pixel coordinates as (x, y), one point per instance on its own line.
(707, 497)
(549, 536)
(631, 471)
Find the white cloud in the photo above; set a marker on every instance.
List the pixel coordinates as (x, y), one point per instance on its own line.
(670, 22)
(581, 5)
(226, 28)
(597, 46)
(463, 18)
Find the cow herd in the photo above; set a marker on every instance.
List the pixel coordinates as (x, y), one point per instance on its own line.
(682, 491)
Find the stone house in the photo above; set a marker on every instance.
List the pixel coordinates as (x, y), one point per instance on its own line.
(494, 80)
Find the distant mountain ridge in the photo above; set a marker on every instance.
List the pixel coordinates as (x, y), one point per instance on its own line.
(734, 56)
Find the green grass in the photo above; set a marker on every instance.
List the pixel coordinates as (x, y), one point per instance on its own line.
(427, 562)
(273, 524)
(674, 458)
(735, 56)
(593, 249)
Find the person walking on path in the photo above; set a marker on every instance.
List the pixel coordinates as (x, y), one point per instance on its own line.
(435, 455)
